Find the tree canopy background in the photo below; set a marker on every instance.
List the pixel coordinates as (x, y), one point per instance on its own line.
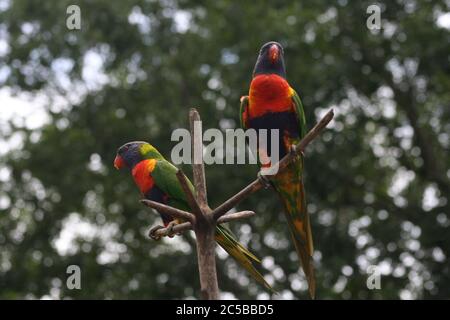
(378, 180)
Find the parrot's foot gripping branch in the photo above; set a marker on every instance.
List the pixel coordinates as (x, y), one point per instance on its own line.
(264, 180)
(152, 233)
(169, 231)
(294, 149)
(295, 153)
(170, 227)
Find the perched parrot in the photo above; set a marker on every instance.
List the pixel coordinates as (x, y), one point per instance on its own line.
(273, 104)
(157, 181)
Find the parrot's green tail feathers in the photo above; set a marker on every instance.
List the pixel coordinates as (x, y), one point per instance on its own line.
(248, 253)
(291, 190)
(306, 261)
(301, 236)
(242, 255)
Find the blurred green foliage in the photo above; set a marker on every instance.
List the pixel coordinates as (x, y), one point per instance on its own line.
(377, 181)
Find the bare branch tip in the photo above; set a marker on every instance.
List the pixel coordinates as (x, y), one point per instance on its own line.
(193, 111)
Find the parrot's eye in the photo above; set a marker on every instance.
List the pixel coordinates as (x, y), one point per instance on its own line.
(123, 149)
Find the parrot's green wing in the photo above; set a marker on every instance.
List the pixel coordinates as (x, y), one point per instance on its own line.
(165, 177)
(243, 110)
(300, 113)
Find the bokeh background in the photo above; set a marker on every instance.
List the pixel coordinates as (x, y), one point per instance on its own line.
(378, 180)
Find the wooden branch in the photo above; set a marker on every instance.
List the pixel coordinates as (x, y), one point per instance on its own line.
(189, 195)
(198, 167)
(282, 164)
(185, 226)
(235, 216)
(238, 197)
(254, 186)
(202, 220)
(171, 211)
(204, 227)
(206, 256)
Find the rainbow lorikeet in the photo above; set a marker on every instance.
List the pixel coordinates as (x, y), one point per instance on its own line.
(157, 181)
(273, 104)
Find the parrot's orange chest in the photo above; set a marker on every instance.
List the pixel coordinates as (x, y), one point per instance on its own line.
(269, 93)
(142, 175)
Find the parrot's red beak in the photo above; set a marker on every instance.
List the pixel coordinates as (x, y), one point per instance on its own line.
(274, 53)
(118, 162)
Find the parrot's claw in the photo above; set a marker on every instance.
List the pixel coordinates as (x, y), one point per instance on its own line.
(264, 180)
(170, 228)
(152, 233)
(293, 150)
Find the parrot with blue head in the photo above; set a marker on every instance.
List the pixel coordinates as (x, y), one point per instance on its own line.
(272, 104)
(157, 181)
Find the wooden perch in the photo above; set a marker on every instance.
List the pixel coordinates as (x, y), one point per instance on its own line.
(158, 233)
(197, 164)
(204, 227)
(171, 211)
(202, 219)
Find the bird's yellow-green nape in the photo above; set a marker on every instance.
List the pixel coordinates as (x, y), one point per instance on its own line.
(150, 152)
